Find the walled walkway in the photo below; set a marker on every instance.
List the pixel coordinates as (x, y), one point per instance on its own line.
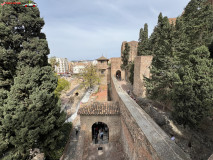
(156, 143)
(70, 153)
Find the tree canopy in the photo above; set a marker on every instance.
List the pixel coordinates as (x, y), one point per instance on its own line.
(89, 76)
(143, 41)
(182, 66)
(30, 114)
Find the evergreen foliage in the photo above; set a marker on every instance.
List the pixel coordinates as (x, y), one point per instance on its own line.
(125, 60)
(58, 151)
(182, 67)
(131, 70)
(143, 41)
(159, 86)
(29, 110)
(125, 57)
(194, 88)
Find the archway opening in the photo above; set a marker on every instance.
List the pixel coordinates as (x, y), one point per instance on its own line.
(118, 75)
(100, 133)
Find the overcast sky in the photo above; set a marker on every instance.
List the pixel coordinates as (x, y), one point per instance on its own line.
(86, 29)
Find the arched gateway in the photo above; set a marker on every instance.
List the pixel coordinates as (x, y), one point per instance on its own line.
(100, 118)
(100, 133)
(118, 75)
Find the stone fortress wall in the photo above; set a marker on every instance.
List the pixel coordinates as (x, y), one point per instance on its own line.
(141, 137)
(141, 69)
(133, 49)
(116, 66)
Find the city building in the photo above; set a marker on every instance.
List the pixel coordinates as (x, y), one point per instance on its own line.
(62, 67)
(78, 68)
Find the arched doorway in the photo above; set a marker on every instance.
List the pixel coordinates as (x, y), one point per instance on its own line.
(118, 75)
(100, 133)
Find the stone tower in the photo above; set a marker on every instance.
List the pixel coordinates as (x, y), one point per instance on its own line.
(133, 49)
(103, 68)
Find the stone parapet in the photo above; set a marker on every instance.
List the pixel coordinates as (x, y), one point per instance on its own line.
(141, 137)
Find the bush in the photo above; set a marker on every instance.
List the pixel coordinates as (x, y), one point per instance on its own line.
(58, 151)
(62, 85)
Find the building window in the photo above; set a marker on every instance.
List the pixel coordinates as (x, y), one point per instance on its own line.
(102, 71)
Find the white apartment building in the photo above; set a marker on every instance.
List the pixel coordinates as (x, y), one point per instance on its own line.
(63, 66)
(78, 68)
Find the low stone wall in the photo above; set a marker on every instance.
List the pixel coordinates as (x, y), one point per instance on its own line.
(141, 137)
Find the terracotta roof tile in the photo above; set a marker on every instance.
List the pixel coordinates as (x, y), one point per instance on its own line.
(102, 58)
(100, 108)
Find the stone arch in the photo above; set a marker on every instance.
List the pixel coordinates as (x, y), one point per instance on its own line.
(98, 129)
(118, 74)
(113, 123)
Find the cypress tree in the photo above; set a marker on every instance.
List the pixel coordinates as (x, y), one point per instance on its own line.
(198, 20)
(30, 113)
(193, 84)
(143, 44)
(125, 59)
(162, 69)
(182, 67)
(131, 70)
(140, 44)
(193, 88)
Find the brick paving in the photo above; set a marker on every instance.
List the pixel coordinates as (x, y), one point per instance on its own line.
(101, 96)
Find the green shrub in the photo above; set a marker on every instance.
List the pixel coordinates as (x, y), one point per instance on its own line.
(58, 151)
(62, 85)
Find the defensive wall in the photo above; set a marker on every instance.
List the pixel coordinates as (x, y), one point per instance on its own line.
(141, 137)
(141, 70)
(116, 66)
(133, 49)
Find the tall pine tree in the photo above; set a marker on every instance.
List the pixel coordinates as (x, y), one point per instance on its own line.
(143, 42)
(125, 59)
(182, 68)
(30, 113)
(162, 69)
(197, 17)
(193, 88)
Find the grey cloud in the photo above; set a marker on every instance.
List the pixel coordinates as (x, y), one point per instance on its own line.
(82, 29)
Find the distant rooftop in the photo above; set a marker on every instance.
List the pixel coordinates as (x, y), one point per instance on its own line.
(172, 20)
(100, 108)
(102, 58)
